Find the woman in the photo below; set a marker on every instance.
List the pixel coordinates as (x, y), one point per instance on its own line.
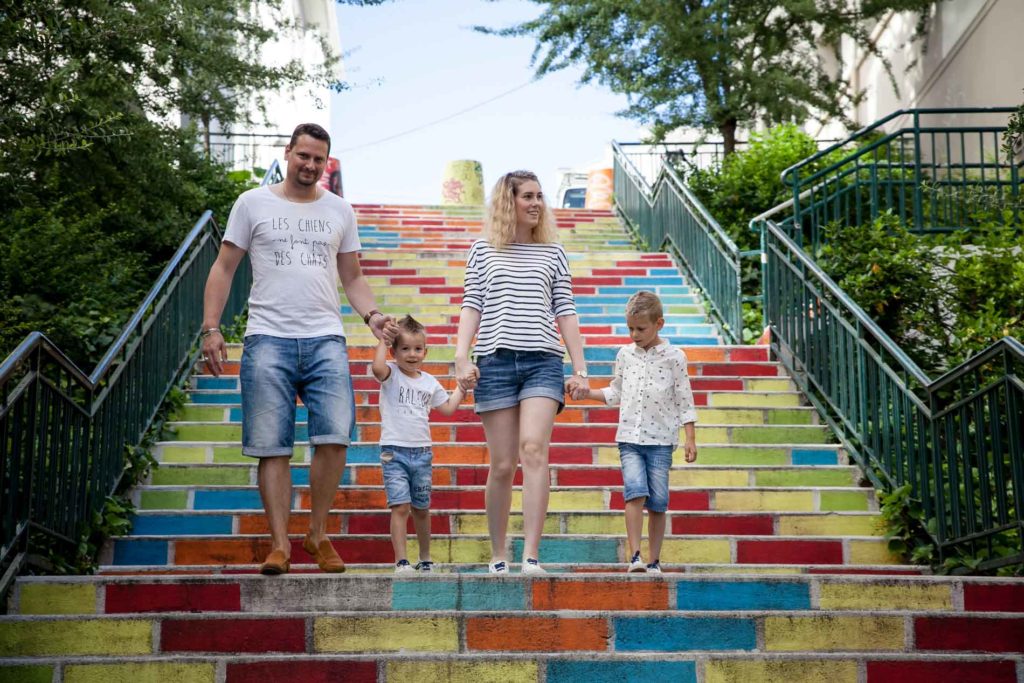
(517, 288)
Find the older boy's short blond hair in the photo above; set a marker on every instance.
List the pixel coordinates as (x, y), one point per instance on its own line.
(645, 303)
(408, 325)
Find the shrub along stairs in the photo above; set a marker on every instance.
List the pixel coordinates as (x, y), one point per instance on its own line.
(776, 568)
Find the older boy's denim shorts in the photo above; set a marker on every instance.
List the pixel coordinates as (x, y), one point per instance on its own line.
(508, 376)
(645, 473)
(274, 371)
(407, 474)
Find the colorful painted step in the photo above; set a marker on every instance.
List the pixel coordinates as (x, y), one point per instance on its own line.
(777, 568)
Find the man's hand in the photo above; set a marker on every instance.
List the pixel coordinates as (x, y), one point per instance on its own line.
(384, 328)
(215, 352)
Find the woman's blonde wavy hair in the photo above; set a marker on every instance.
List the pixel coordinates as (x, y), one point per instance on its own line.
(500, 221)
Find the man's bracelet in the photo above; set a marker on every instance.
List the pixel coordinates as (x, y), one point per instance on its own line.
(208, 331)
(369, 316)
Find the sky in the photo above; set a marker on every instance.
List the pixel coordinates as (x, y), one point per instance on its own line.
(414, 62)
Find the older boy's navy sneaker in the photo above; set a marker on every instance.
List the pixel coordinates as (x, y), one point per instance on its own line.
(424, 566)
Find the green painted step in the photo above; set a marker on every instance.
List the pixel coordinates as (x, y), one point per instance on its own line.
(743, 415)
(244, 473)
(710, 454)
(737, 434)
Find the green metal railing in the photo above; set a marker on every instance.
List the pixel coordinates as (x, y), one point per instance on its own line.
(63, 433)
(936, 174)
(957, 440)
(648, 158)
(668, 215)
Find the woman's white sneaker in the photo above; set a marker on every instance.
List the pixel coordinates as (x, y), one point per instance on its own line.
(532, 566)
(497, 568)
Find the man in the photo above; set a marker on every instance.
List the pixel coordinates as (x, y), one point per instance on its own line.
(302, 241)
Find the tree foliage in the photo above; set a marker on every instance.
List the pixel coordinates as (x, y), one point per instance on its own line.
(712, 64)
(99, 182)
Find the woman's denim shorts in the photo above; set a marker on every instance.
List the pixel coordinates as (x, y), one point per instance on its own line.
(645, 473)
(508, 376)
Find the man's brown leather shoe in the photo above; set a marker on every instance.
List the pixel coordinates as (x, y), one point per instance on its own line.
(324, 554)
(276, 563)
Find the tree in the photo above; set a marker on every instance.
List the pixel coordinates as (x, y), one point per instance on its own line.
(99, 184)
(712, 64)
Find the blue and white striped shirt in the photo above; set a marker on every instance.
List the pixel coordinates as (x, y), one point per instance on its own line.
(519, 292)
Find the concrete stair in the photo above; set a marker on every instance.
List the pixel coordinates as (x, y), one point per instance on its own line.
(775, 564)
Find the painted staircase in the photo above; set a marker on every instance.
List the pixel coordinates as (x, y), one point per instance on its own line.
(775, 566)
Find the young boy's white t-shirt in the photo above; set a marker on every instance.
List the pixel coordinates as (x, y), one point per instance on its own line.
(405, 404)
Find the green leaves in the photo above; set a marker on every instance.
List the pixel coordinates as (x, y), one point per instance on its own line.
(711, 64)
(942, 298)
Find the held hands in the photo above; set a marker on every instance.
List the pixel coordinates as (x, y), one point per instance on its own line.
(215, 352)
(384, 328)
(577, 387)
(466, 374)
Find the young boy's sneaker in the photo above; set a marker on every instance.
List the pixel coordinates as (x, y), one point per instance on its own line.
(636, 564)
(532, 566)
(497, 568)
(403, 567)
(424, 566)
(654, 567)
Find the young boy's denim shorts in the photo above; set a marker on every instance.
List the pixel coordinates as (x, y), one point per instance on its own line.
(508, 376)
(274, 371)
(645, 473)
(407, 474)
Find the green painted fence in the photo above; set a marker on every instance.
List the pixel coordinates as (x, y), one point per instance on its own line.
(666, 215)
(957, 440)
(935, 171)
(63, 433)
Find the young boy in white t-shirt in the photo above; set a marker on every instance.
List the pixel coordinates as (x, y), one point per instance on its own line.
(652, 385)
(407, 394)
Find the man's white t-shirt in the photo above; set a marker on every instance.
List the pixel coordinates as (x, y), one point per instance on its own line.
(293, 248)
(405, 404)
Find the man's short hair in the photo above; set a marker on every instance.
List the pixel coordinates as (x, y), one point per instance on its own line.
(408, 325)
(645, 303)
(312, 130)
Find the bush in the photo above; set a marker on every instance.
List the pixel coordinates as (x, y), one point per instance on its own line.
(86, 239)
(942, 298)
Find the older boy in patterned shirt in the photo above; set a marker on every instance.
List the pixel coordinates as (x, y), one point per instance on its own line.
(651, 384)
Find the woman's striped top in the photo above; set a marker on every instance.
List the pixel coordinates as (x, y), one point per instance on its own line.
(519, 292)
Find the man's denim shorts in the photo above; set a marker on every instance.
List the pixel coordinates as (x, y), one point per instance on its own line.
(274, 371)
(407, 474)
(645, 473)
(508, 376)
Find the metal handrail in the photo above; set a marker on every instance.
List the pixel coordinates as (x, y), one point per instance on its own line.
(853, 137)
(890, 415)
(709, 251)
(59, 423)
(863, 319)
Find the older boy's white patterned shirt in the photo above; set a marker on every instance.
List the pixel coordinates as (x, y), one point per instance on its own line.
(654, 392)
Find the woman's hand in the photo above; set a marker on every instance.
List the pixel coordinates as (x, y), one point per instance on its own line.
(466, 373)
(577, 387)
